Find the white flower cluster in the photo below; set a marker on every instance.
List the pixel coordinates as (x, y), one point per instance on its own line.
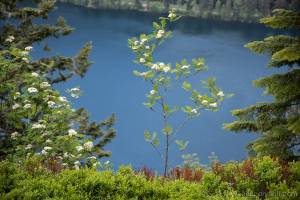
(15, 106)
(63, 99)
(142, 60)
(32, 90)
(161, 67)
(75, 92)
(160, 34)
(14, 135)
(172, 15)
(221, 94)
(29, 48)
(45, 150)
(29, 146)
(194, 111)
(185, 67)
(76, 165)
(79, 148)
(38, 126)
(45, 84)
(34, 74)
(27, 105)
(152, 92)
(10, 38)
(88, 145)
(72, 132)
(51, 104)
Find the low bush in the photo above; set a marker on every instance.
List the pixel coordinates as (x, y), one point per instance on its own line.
(263, 178)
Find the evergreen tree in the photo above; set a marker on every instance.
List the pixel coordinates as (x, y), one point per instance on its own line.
(277, 122)
(18, 33)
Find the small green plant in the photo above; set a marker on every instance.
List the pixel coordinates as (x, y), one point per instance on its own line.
(166, 77)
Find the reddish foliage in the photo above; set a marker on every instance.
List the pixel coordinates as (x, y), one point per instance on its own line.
(187, 174)
(53, 164)
(148, 173)
(285, 170)
(248, 168)
(218, 169)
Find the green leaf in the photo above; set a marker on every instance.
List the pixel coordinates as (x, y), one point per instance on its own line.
(186, 86)
(147, 136)
(182, 144)
(167, 130)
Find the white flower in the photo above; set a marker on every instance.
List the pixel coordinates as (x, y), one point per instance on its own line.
(107, 162)
(204, 102)
(93, 158)
(29, 48)
(51, 104)
(47, 148)
(194, 111)
(28, 105)
(72, 132)
(45, 84)
(143, 74)
(185, 67)
(142, 60)
(155, 66)
(88, 145)
(34, 74)
(77, 163)
(75, 89)
(160, 34)
(79, 148)
(152, 92)
(221, 94)
(48, 141)
(136, 43)
(38, 126)
(24, 53)
(10, 38)
(161, 64)
(15, 106)
(25, 60)
(14, 135)
(63, 99)
(95, 164)
(65, 164)
(214, 105)
(75, 92)
(172, 15)
(147, 47)
(66, 155)
(143, 40)
(45, 134)
(32, 90)
(29, 146)
(166, 69)
(44, 152)
(17, 94)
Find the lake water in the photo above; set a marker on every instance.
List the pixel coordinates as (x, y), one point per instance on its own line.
(110, 86)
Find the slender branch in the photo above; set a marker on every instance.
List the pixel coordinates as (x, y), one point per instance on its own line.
(157, 150)
(179, 128)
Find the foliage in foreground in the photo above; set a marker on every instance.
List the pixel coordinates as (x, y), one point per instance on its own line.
(252, 179)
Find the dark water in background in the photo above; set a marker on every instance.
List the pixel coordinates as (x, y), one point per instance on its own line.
(109, 86)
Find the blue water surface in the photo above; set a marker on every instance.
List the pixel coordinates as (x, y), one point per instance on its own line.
(110, 86)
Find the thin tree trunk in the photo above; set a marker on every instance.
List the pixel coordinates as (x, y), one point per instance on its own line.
(166, 156)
